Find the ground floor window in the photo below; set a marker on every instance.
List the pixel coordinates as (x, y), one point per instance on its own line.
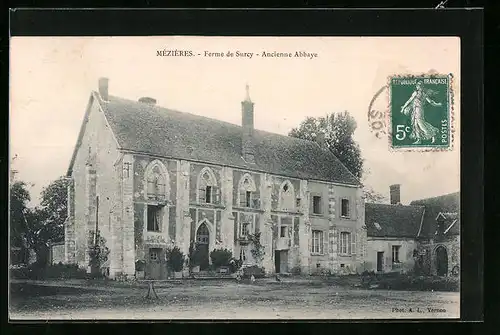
(154, 218)
(317, 242)
(395, 253)
(345, 243)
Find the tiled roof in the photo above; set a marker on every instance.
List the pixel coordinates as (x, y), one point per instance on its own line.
(393, 220)
(151, 129)
(449, 203)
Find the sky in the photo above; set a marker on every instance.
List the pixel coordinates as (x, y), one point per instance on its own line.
(52, 78)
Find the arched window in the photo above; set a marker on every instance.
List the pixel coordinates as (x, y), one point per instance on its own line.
(287, 196)
(246, 192)
(157, 181)
(208, 192)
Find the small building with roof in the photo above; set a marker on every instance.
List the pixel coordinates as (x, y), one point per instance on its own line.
(423, 236)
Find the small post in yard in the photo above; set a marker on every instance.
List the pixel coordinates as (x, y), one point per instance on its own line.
(151, 291)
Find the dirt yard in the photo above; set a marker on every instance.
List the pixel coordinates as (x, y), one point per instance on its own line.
(223, 299)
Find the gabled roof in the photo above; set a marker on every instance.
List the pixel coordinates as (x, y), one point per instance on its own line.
(149, 129)
(448, 205)
(394, 220)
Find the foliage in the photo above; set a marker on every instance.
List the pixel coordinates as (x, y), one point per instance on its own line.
(220, 257)
(256, 271)
(235, 264)
(35, 228)
(55, 204)
(140, 265)
(370, 195)
(197, 256)
(19, 198)
(258, 249)
(175, 259)
(410, 282)
(98, 252)
(56, 271)
(335, 133)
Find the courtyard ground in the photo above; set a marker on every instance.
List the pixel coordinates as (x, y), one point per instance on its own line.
(222, 299)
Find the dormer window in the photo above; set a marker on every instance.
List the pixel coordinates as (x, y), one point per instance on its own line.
(156, 182)
(287, 197)
(208, 192)
(246, 192)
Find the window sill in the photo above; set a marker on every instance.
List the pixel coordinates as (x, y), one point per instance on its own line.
(345, 255)
(317, 254)
(281, 211)
(206, 205)
(317, 214)
(248, 209)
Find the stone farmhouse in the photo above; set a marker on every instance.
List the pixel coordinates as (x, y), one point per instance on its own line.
(423, 236)
(149, 178)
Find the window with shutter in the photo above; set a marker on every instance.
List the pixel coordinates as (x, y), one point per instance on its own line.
(318, 242)
(324, 249)
(353, 244)
(345, 243)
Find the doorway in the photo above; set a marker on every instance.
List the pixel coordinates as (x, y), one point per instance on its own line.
(154, 265)
(202, 244)
(380, 261)
(281, 261)
(441, 261)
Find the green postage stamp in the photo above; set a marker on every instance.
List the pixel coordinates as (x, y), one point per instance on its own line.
(421, 110)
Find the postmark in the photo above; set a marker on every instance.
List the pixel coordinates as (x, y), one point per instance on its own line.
(420, 112)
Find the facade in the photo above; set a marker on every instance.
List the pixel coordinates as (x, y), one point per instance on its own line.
(423, 236)
(149, 178)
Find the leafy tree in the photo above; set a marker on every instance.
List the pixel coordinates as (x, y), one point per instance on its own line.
(19, 199)
(55, 205)
(35, 228)
(334, 132)
(370, 195)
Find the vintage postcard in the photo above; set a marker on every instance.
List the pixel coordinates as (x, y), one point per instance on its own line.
(227, 178)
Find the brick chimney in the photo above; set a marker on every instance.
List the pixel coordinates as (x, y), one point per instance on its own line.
(395, 191)
(247, 143)
(103, 88)
(148, 100)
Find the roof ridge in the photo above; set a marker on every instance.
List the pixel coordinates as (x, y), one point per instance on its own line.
(158, 107)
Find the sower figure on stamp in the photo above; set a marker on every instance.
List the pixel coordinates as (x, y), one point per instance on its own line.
(414, 107)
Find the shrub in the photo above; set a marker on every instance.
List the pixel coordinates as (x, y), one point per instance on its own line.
(418, 283)
(140, 265)
(98, 252)
(57, 271)
(235, 264)
(256, 271)
(175, 259)
(296, 270)
(196, 257)
(220, 257)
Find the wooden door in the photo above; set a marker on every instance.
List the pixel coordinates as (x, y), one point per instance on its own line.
(380, 261)
(284, 261)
